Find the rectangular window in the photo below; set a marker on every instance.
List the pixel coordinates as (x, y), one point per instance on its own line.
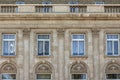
(78, 44)
(43, 45)
(99, 2)
(43, 76)
(8, 76)
(46, 8)
(113, 76)
(9, 44)
(79, 77)
(112, 46)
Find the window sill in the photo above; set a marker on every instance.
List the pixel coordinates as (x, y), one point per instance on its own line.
(43, 56)
(83, 56)
(106, 56)
(8, 56)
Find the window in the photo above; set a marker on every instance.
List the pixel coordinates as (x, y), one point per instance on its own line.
(9, 44)
(74, 8)
(78, 44)
(43, 45)
(79, 77)
(113, 76)
(20, 2)
(99, 2)
(112, 44)
(47, 8)
(8, 76)
(43, 76)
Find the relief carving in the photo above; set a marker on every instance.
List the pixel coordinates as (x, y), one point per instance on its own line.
(8, 68)
(43, 68)
(78, 68)
(113, 68)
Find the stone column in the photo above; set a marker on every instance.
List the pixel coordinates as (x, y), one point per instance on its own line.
(96, 59)
(61, 54)
(26, 37)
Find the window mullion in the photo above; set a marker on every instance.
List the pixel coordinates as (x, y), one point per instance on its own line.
(78, 47)
(113, 47)
(43, 47)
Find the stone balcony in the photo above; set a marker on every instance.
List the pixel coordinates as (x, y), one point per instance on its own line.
(60, 8)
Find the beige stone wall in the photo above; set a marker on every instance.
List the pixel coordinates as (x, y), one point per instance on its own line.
(26, 27)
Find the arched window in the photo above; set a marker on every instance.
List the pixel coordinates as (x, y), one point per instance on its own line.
(78, 71)
(8, 71)
(43, 72)
(112, 72)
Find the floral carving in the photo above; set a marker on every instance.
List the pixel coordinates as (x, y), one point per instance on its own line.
(113, 68)
(78, 68)
(43, 68)
(8, 68)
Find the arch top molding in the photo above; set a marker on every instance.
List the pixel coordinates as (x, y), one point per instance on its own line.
(78, 67)
(43, 67)
(8, 68)
(112, 68)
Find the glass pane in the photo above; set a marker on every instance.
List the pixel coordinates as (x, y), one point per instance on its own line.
(113, 76)
(9, 36)
(78, 37)
(40, 47)
(109, 48)
(78, 76)
(112, 36)
(116, 47)
(8, 76)
(43, 76)
(46, 47)
(11, 48)
(5, 48)
(75, 48)
(81, 47)
(43, 36)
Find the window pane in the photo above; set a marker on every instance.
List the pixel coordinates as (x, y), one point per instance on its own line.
(113, 76)
(43, 76)
(109, 48)
(81, 47)
(40, 47)
(8, 76)
(75, 48)
(78, 37)
(8, 36)
(43, 36)
(116, 47)
(46, 47)
(78, 76)
(112, 36)
(5, 48)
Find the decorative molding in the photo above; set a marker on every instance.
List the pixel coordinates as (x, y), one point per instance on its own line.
(78, 67)
(43, 68)
(8, 68)
(61, 31)
(113, 68)
(26, 31)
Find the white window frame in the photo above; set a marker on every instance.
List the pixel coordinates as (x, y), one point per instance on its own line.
(44, 79)
(78, 44)
(9, 73)
(79, 79)
(8, 41)
(112, 45)
(44, 44)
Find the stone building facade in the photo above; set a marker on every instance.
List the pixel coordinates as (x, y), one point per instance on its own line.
(21, 35)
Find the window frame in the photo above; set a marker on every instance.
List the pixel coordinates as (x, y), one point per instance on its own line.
(8, 41)
(43, 44)
(9, 73)
(110, 79)
(79, 79)
(44, 73)
(113, 44)
(78, 44)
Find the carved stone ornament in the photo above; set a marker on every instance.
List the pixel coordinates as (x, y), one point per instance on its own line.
(43, 68)
(8, 68)
(113, 69)
(78, 68)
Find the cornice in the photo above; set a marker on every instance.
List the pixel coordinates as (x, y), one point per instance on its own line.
(59, 16)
